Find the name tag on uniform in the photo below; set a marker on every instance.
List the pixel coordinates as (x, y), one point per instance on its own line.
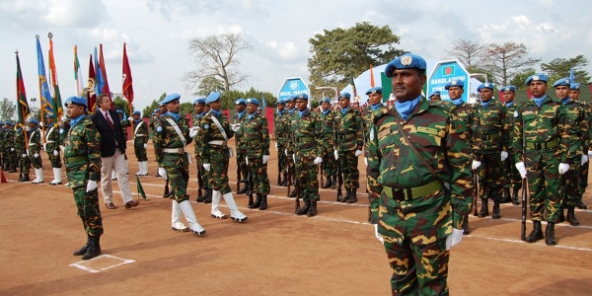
(427, 130)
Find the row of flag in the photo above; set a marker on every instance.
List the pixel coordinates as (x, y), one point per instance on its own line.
(50, 98)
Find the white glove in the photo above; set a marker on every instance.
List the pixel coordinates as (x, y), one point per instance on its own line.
(162, 172)
(24, 155)
(206, 166)
(41, 123)
(193, 131)
(336, 154)
(265, 159)
(130, 118)
(563, 168)
(286, 151)
(504, 155)
(235, 127)
(476, 164)
(358, 153)
(145, 146)
(366, 161)
(55, 153)
(36, 155)
(11, 149)
(318, 160)
(91, 185)
(521, 169)
(246, 160)
(379, 237)
(45, 146)
(276, 148)
(454, 239)
(584, 159)
(589, 154)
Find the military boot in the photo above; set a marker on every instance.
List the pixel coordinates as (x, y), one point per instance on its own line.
(347, 195)
(245, 189)
(25, 178)
(496, 210)
(284, 180)
(484, 212)
(466, 225)
(312, 211)
(257, 202)
(536, 234)
(506, 198)
(334, 184)
(263, 205)
(353, 196)
(303, 210)
(293, 193)
(571, 217)
(208, 196)
(582, 206)
(83, 249)
(561, 217)
(200, 196)
(515, 198)
(94, 248)
(550, 234)
(328, 183)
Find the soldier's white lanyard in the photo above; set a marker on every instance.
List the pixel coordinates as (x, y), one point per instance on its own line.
(178, 131)
(31, 136)
(138, 126)
(49, 133)
(217, 123)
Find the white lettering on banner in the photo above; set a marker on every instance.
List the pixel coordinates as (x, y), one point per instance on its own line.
(447, 79)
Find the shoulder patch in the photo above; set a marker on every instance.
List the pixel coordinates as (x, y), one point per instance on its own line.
(159, 129)
(206, 126)
(516, 113)
(460, 126)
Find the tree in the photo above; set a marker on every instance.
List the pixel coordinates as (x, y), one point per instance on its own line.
(467, 52)
(520, 78)
(216, 57)
(228, 98)
(338, 55)
(7, 109)
(208, 85)
(121, 104)
(559, 68)
(147, 112)
(185, 108)
(506, 60)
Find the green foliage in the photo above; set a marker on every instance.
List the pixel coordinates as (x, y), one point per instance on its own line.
(147, 112)
(208, 85)
(229, 97)
(519, 79)
(186, 108)
(559, 68)
(121, 104)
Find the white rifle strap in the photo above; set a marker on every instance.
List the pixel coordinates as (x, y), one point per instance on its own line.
(217, 123)
(178, 130)
(138, 126)
(49, 133)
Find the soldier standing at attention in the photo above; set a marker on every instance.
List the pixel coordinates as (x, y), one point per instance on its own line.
(280, 142)
(286, 122)
(21, 150)
(140, 142)
(82, 155)
(241, 152)
(515, 181)
(415, 148)
(435, 96)
(199, 106)
(35, 149)
(574, 94)
(327, 118)
(214, 135)
(543, 157)
(349, 146)
(491, 150)
(170, 140)
(52, 147)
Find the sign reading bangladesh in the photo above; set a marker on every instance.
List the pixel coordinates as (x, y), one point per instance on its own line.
(445, 72)
(293, 86)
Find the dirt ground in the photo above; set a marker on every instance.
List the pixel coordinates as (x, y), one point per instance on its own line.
(274, 253)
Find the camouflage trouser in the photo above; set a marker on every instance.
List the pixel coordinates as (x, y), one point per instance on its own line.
(290, 162)
(491, 177)
(583, 184)
(219, 173)
(25, 164)
(258, 172)
(414, 234)
(348, 163)
(329, 163)
(513, 179)
(205, 175)
(544, 184)
(89, 211)
(14, 159)
(177, 169)
(282, 161)
(35, 161)
(572, 183)
(140, 151)
(242, 165)
(53, 159)
(308, 181)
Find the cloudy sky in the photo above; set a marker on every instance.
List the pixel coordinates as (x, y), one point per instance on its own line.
(158, 32)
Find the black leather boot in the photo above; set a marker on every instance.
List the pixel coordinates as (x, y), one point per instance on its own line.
(550, 234)
(334, 185)
(466, 225)
(257, 202)
(312, 211)
(347, 195)
(208, 196)
(304, 210)
(571, 217)
(506, 198)
(353, 196)
(496, 210)
(25, 178)
(245, 188)
(536, 234)
(263, 204)
(484, 212)
(94, 248)
(582, 206)
(200, 196)
(293, 193)
(83, 249)
(561, 217)
(328, 183)
(515, 197)
(284, 180)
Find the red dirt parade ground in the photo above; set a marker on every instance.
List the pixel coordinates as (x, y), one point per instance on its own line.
(274, 253)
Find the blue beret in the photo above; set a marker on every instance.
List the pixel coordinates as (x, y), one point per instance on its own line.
(406, 61)
(345, 95)
(161, 103)
(1, 123)
(137, 112)
(240, 101)
(251, 101)
(575, 86)
(508, 88)
(485, 85)
(199, 101)
(301, 97)
(212, 97)
(374, 90)
(436, 93)
(562, 82)
(536, 77)
(171, 98)
(455, 83)
(76, 100)
(34, 121)
(326, 100)
(119, 111)
(259, 108)
(290, 99)
(8, 123)
(279, 101)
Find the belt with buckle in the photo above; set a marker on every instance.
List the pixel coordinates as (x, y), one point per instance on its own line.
(173, 150)
(217, 142)
(545, 145)
(74, 159)
(409, 194)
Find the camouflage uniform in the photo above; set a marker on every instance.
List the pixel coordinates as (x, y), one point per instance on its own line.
(35, 148)
(329, 165)
(583, 183)
(140, 138)
(20, 150)
(280, 140)
(348, 126)
(515, 181)
(286, 129)
(11, 157)
(241, 153)
(52, 140)
(205, 180)
(255, 136)
(124, 124)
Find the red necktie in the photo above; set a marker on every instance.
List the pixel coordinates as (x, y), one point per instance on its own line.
(109, 121)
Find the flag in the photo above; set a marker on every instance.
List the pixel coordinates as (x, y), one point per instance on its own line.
(140, 188)
(501, 95)
(572, 75)
(98, 74)
(21, 95)
(263, 102)
(46, 100)
(90, 92)
(78, 83)
(355, 93)
(105, 88)
(371, 77)
(57, 98)
(127, 88)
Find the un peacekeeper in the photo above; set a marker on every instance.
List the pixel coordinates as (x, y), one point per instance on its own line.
(417, 220)
(11, 153)
(308, 149)
(329, 166)
(374, 102)
(515, 181)
(35, 150)
(240, 105)
(280, 142)
(203, 176)
(543, 158)
(576, 128)
(491, 143)
(124, 123)
(161, 111)
(435, 96)
(349, 145)
(214, 135)
(20, 147)
(574, 94)
(82, 155)
(255, 135)
(52, 147)
(154, 120)
(2, 144)
(286, 122)
(170, 140)
(140, 142)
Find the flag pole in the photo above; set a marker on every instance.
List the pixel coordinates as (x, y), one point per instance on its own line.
(41, 111)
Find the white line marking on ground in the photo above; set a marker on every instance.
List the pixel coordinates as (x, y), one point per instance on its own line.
(81, 266)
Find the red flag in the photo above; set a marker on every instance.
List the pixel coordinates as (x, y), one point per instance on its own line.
(371, 76)
(528, 93)
(501, 94)
(105, 89)
(127, 88)
(90, 94)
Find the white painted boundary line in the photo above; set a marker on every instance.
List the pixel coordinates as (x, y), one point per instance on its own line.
(91, 270)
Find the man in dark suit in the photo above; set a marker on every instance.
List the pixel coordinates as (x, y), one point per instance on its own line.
(113, 147)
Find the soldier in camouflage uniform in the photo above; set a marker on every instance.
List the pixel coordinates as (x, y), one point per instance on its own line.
(280, 142)
(307, 141)
(52, 147)
(203, 176)
(435, 96)
(156, 122)
(574, 94)
(82, 155)
(241, 150)
(2, 130)
(329, 166)
(491, 143)
(35, 150)
(11, 157)
(514, 180)
(417, 220)
(140, 142)
(543, 157)
(213, 136)
(20, 146)
(286, 129)
(255, 135)
(124, 123)
(170, 142)
(348, 126)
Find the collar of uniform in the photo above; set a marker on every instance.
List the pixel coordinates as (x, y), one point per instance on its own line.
(216, 113)
(241, 114)
(73, 122)
(344, 110)
(175, 116)
(421, 106)
(250, 116)
(303, 112)
(291, 110)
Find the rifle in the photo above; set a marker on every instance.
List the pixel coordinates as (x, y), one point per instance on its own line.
(238, 172)
(250, 184)
(199, 180)
(524, 189)
(297, 185)
(476, 190)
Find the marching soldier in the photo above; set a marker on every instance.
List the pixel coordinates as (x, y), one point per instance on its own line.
(543, 156)
(21, 150)
(286, 123)
(514, 182)
(10, 151)
(242, 169)
(82, 156)
(327, 119)
(35, 149)
(203, 179)
(170, 142)
(214, 135)
(574, 94)
(52, 147)
(280, 142)
(140, 142)
(349, 145)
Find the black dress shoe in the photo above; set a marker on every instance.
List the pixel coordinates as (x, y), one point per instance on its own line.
(130, 204)
(110, 205)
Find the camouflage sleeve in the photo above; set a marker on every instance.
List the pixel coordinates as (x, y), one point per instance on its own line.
(584, 126)
(477, 136)
(517, 144)
(158, 139)
(144, 130)
(359, 130)
(265, 135)
(228, 130)
(562, 129)
(505, 129)
(184, 126)
(93, 138)
(203, 138)
(373, 172)
(460, 177)
(319, 136)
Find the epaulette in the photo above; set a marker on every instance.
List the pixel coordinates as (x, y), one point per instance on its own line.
(378, 113)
